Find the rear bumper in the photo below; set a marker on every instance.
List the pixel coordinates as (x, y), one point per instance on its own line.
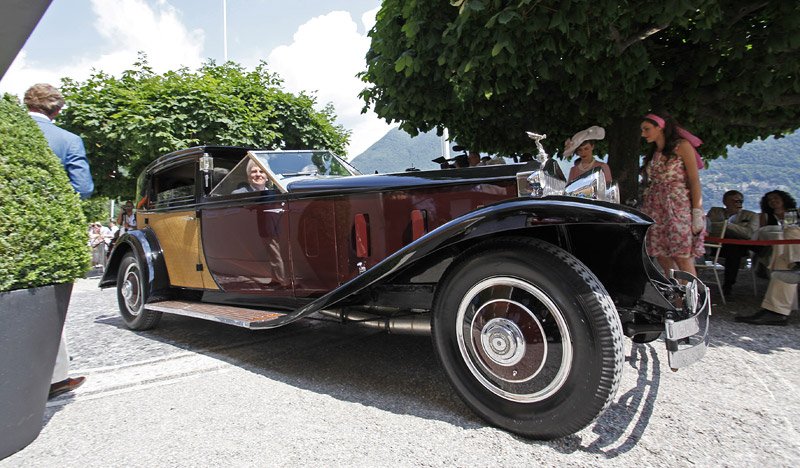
(687, 339)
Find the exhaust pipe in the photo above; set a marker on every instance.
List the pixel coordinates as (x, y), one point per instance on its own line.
(417, 324)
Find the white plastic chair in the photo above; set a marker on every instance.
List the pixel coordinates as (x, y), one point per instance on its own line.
(713, 250)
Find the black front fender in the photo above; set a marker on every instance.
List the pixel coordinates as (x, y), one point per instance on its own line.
(144, 244)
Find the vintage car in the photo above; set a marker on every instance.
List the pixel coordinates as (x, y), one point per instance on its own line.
(527, 286)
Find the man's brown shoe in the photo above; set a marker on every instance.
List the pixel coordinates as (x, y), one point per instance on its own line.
(65, 386)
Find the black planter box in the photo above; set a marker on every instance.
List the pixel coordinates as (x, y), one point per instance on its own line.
(30, 329)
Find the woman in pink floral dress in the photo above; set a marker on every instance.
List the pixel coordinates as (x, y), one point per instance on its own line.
(672, 196)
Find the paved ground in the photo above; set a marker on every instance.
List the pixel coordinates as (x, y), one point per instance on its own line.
(195, 393)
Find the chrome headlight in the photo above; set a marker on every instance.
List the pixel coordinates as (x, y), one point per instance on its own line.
(538, 184)
(612, 193)
(590, 186)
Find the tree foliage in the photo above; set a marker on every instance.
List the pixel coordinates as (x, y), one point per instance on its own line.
(490, 69)
(127, 122)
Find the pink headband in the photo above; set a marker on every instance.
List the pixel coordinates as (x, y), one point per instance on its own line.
(683, 133)
(658, 120)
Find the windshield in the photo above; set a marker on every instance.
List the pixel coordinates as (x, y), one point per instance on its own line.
(271, 171)
(287, 164)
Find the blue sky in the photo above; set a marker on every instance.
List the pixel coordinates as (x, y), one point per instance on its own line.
(298, 39)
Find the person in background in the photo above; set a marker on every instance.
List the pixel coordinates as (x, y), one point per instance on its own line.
(442, 162)
(492, 160)
(781, 295)
(672, 195)
(474, 159)
(108, 232)
(44, 102)
(127, 218)
(774, 205)
(742, 224)
(460, 161)
(98, 245)
(582, 144)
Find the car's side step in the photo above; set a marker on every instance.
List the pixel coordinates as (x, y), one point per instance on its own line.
(231, 315)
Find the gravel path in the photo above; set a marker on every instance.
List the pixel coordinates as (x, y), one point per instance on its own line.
(195, 393)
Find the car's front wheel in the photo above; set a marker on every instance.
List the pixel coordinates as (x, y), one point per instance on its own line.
(529, 337)
(132, 295)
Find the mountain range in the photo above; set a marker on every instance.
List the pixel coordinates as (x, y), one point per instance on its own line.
(754, 169)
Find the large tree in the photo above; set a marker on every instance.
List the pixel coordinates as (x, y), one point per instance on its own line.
(488, 70)
(127, 122)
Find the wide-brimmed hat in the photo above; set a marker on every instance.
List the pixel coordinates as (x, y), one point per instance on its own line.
(592, 133)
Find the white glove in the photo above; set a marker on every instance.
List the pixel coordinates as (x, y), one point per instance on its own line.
(698, 220)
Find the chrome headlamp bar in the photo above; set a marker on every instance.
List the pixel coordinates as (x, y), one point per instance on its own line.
(539, 184)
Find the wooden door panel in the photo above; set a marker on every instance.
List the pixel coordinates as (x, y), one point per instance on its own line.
(178, 234)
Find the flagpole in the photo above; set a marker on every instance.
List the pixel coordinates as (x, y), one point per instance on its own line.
(225, 29)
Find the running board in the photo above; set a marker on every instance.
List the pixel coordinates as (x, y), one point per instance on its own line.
(230, 315)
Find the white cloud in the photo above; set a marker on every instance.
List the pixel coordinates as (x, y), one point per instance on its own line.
(128, 26)
(324, 57)
(326, 54)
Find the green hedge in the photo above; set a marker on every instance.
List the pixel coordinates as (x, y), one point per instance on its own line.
(43, 232)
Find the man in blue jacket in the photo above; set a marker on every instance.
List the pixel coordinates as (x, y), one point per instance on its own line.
(44, 102)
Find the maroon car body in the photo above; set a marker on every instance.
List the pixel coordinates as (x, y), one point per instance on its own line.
(527, 297)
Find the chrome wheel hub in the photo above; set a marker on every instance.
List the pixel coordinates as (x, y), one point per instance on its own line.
(514, 339)
(131, 290)
(503, 341)
(127, 290)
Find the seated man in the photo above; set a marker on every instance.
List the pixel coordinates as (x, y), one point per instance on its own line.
(741, 225)
(781, 295)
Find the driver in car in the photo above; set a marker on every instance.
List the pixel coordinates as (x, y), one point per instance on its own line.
(256, 179)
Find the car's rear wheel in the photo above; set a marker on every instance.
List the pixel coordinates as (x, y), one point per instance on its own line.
(529, 337)
(132, 295)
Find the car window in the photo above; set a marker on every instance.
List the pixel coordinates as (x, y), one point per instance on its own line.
(235, 180)
(174, 186)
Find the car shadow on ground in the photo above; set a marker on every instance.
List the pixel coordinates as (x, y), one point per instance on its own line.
(624, 423)
(394, 373)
